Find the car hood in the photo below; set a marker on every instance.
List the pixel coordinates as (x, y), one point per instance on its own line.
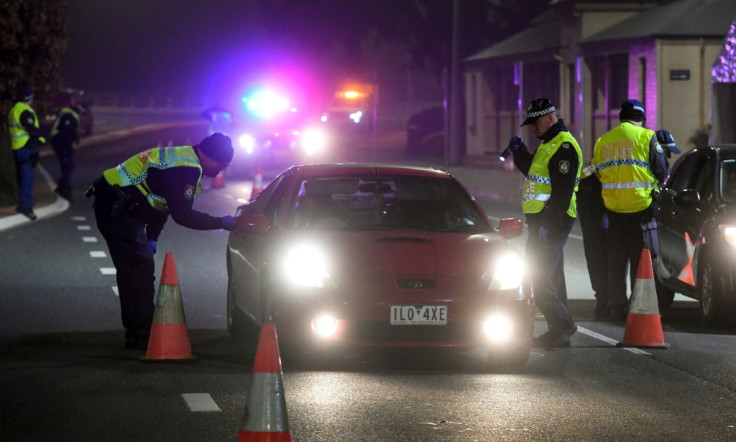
(404, 254)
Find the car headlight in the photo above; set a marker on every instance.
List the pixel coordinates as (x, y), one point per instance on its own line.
(313, 141)
(305, 265)
(247, 142)
(506, 273)
(729, 233)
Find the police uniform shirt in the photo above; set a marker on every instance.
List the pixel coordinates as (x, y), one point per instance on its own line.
(67, 130)
(28, 121)
(178, 186)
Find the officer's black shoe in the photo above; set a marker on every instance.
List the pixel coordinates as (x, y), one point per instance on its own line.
(27, 211)
(601, 313)
(131, 342)
(555, 338)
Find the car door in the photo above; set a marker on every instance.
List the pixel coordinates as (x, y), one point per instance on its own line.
(686, 204)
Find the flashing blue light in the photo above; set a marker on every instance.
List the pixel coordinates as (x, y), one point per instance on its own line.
(265, 103)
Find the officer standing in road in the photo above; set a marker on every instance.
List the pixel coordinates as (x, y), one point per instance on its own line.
(631, 164)
(64, 134)
(594, 225)
(132, 203)
(667, 141)
(26, 138)
(549, 204)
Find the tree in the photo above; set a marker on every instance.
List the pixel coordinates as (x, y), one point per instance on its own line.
(32, 43)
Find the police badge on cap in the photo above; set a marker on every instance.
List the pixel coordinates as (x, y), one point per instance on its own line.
(537, 108)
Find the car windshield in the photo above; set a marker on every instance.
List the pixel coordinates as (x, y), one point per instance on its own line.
(384, 203)
(728, 180)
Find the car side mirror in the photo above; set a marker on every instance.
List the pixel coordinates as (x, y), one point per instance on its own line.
(253, 224)
(510, 227)
(688, 198)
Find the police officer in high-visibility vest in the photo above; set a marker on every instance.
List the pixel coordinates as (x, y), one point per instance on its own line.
(64, 134)
(548, 201)
(132, 203)
(26, 137)
(631, 164)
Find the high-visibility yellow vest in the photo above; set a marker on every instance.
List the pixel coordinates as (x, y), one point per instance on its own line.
(622, 158)
(134, 170)
(537, 184)
(18, 134)
(62, 112)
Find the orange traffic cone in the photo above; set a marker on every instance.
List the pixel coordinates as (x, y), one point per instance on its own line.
(265, 415)
(218, 181)
(644, 324)
(257, 182)
(169, 339)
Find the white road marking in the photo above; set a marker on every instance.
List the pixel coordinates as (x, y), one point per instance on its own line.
(84, 227)
(108, 271)
(79, 218)
(200, 402)
(608, 340)
(89, 238)
(115, 290)
(97, 254)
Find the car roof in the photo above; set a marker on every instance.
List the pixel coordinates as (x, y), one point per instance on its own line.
(368, 169)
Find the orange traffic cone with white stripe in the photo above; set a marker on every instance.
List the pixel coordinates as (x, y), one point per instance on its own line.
(686, 275)
(265, 414)
(644, 324)
(218, 181)
(257, 181)
(169, 340)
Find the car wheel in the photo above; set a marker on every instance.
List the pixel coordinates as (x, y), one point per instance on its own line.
(665, 296)
(711, 290)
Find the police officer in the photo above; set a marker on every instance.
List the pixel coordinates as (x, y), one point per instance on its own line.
(132, 203)
(64, 134)
(549, 204)
(667, 141)
(26, 138)
(631, 164)
(594, 225)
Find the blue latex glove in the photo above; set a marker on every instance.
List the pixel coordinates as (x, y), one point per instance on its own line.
(515, 143)
(152, 245)
(229, 223)
(544, 235)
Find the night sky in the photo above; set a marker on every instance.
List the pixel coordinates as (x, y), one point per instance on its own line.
(191, 47)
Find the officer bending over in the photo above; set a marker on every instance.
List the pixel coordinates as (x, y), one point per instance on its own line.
(133, 202)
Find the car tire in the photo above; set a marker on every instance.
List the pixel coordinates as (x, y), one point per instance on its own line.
(711, 291)
(665, 296)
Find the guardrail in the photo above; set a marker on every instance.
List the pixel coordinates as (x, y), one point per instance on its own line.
(145, 102)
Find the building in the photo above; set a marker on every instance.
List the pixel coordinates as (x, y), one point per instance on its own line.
(588, 56)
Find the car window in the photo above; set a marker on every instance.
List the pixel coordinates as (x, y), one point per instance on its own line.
(384, 203)
(728, 180)
(703, 180)
(682, 173)
(262, 204)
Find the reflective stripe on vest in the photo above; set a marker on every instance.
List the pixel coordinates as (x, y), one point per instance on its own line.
(18, 134)
(134, 170)
(622, 157)
(538, 185)
(62, 112)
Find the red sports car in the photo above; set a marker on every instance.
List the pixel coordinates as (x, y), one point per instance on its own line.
(377, 255)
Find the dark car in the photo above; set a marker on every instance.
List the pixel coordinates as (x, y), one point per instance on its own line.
(380, 256)
(425, 132)
(697, 231)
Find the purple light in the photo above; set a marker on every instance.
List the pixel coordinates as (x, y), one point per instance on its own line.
(724, 68)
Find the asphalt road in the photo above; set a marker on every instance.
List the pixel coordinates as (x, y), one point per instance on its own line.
(67, 377)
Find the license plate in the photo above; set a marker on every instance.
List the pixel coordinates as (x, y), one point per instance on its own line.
(418, 315)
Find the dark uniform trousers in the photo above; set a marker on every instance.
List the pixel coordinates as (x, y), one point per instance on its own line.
(546, 264)
(133, 259)
(65, 152)
(628, 235)
(593, 218)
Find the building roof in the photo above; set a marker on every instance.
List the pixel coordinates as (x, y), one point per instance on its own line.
(534, 39)
(680, 19)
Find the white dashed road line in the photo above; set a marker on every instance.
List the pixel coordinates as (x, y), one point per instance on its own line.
(608, 340)
(97, 254)
(198, 402)
(84, 227)
(89, 239)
